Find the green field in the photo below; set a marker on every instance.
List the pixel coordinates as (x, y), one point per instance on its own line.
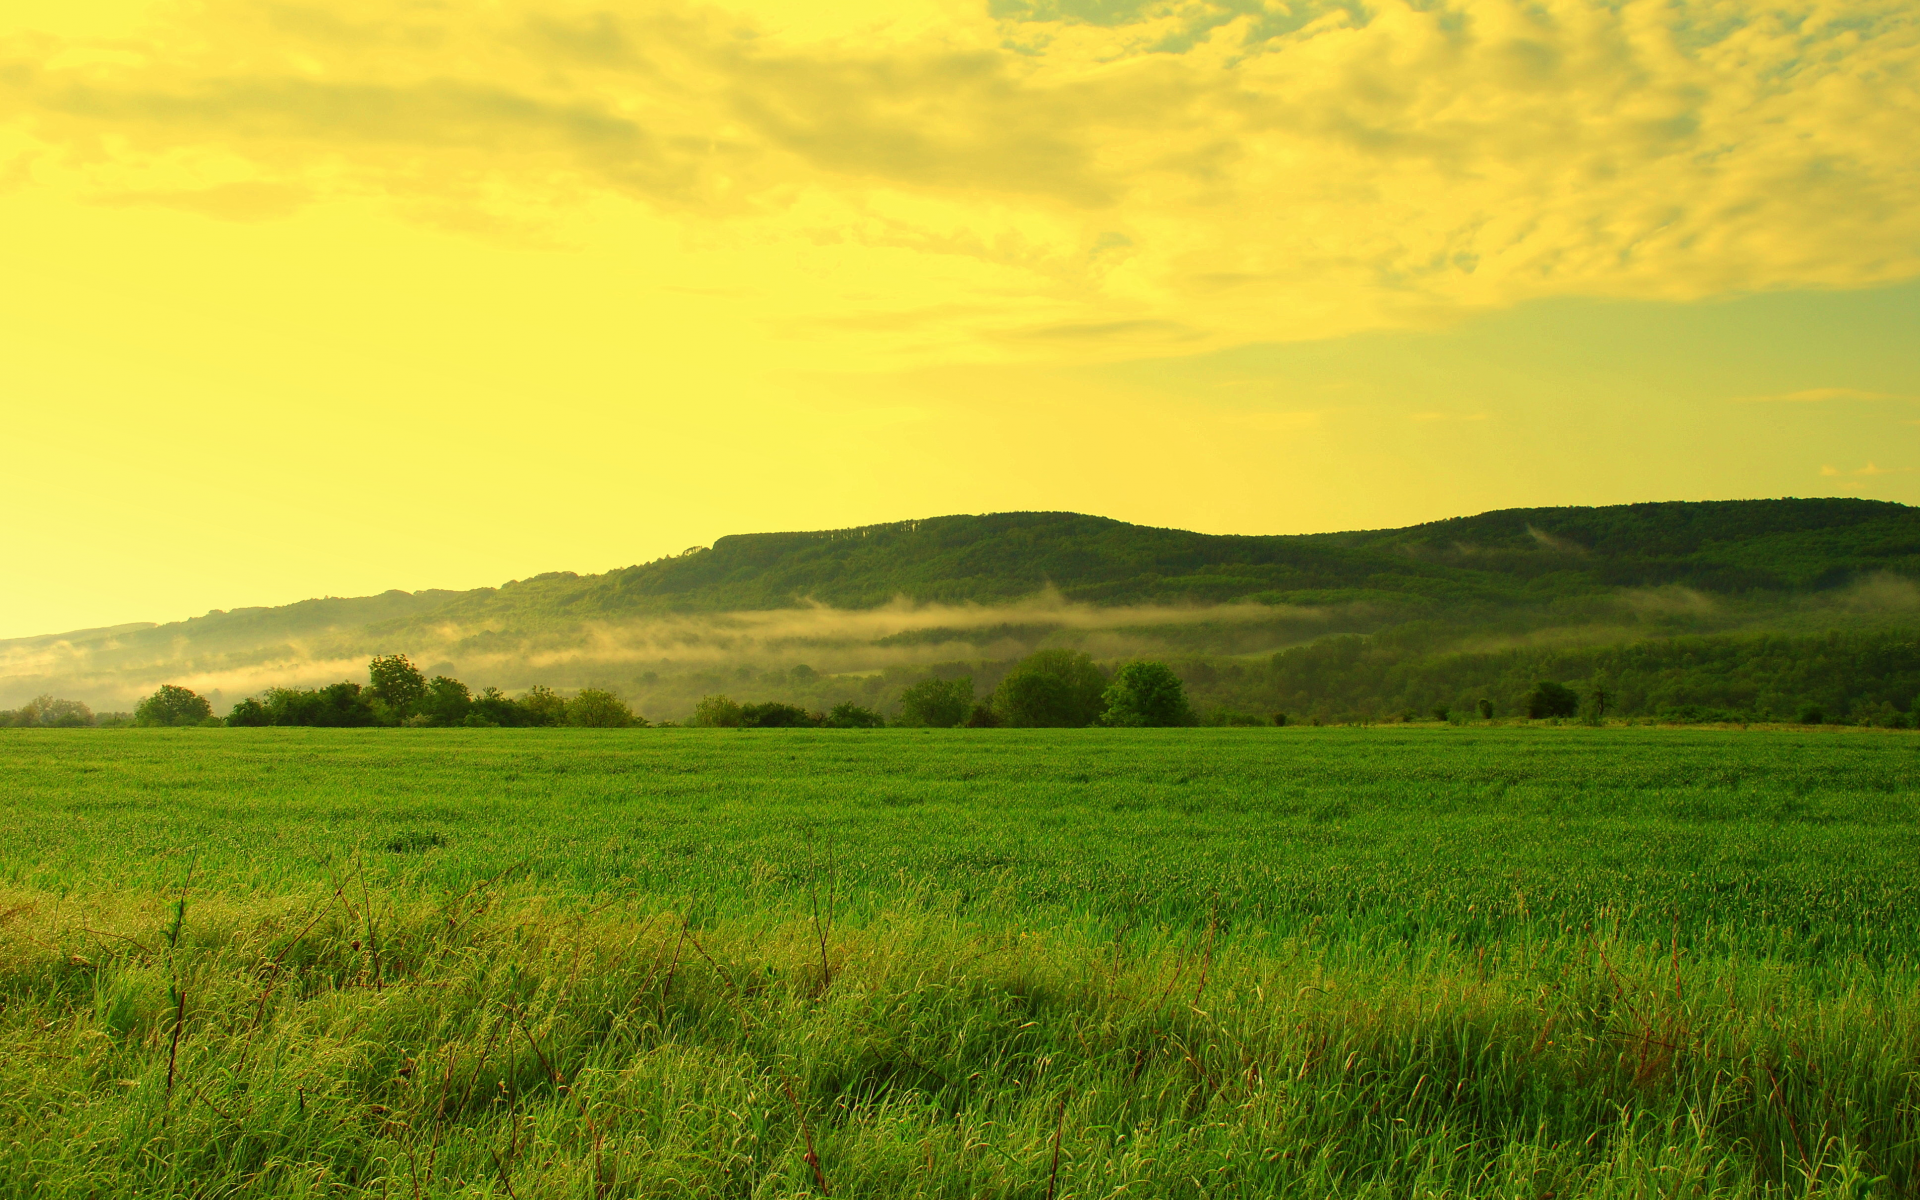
(1371, 961)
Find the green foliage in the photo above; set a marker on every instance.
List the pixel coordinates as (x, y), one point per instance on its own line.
(1052, 689)
(49, 712)
(937, 703)
(248, 713)
(173, 705)
(983, 717)
(716, 712)
(597, 708)
(445, 702)
(1146, 694)
(848, 715)
(1549, 699)
(543, 706)
(396, 682)
(774, 715)
(337, 706)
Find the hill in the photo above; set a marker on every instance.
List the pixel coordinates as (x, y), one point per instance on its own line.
(983, 589)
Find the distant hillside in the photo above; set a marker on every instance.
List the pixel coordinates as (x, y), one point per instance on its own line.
(992, 587)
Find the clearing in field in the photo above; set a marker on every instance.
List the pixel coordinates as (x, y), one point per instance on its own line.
(1280, 962)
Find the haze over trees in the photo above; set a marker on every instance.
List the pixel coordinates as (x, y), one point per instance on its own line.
(1750, 610)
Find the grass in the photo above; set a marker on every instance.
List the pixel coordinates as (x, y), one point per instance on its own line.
(1392, 962)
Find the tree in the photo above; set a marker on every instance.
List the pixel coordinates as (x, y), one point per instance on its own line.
(53, 713)
(1146, 694)
(1485, 709)
(173, 705)
(397, 683)
(543, 706)
(983, 717)
(939, 703)
(445, 702)
(716, 712)
(1549, 699)
(1052, 689)
(248, 712)
(597, 708)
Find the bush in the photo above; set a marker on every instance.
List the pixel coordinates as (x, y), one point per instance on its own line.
(716, 712)
(1222, 717)
(1441, 712)
(848, 715)
(939, 703)
(172, 705)
(336, 706)
(1146, 694)
(774, 715)
(248, 712)
(52, 713)
(1280, 719)
(597, 708)
(1813, 715)
(445, 702)
(1053, 689)
(1550, 699)
(983, 717)
(1485, 709)
(543, 706)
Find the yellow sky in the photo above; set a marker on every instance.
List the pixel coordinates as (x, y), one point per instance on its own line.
(326, 298)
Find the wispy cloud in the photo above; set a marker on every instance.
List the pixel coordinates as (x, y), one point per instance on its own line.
(1870, 469)
(1136, 175)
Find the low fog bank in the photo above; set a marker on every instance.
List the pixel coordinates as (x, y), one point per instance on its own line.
(1230, 654)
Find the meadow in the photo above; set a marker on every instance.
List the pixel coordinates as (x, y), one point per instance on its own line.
(1386, 961)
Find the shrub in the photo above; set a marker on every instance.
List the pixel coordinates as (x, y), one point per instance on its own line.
(1280, 719)
(52, 713)
(716, 712)
(1549, 699)
(1485, 709)
(1145, 694)
(940, 703)
(1053, 689)
(848, 715)
(248, 712)
(172, 705)
(338, 706)
(983, 717)
(774, 715)
(1813, 715)
(1229, 716)
(543, 706)
(1441, 712)
(597, 708)
(445, 702)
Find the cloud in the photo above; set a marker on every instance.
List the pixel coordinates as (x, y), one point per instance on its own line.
(1869, 470)
(1129, 177)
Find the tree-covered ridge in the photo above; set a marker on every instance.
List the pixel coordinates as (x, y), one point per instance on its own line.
(1569, 575)
(1507, 556)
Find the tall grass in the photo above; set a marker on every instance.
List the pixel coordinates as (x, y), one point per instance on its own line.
(1234, 963)
(503, 1042)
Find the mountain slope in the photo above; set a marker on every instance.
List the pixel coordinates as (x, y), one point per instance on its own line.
(1568, 575)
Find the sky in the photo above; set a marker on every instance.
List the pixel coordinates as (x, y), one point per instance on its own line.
(330, 298)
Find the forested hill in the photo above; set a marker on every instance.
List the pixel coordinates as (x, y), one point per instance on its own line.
(1516, 577)
(1511, 555)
